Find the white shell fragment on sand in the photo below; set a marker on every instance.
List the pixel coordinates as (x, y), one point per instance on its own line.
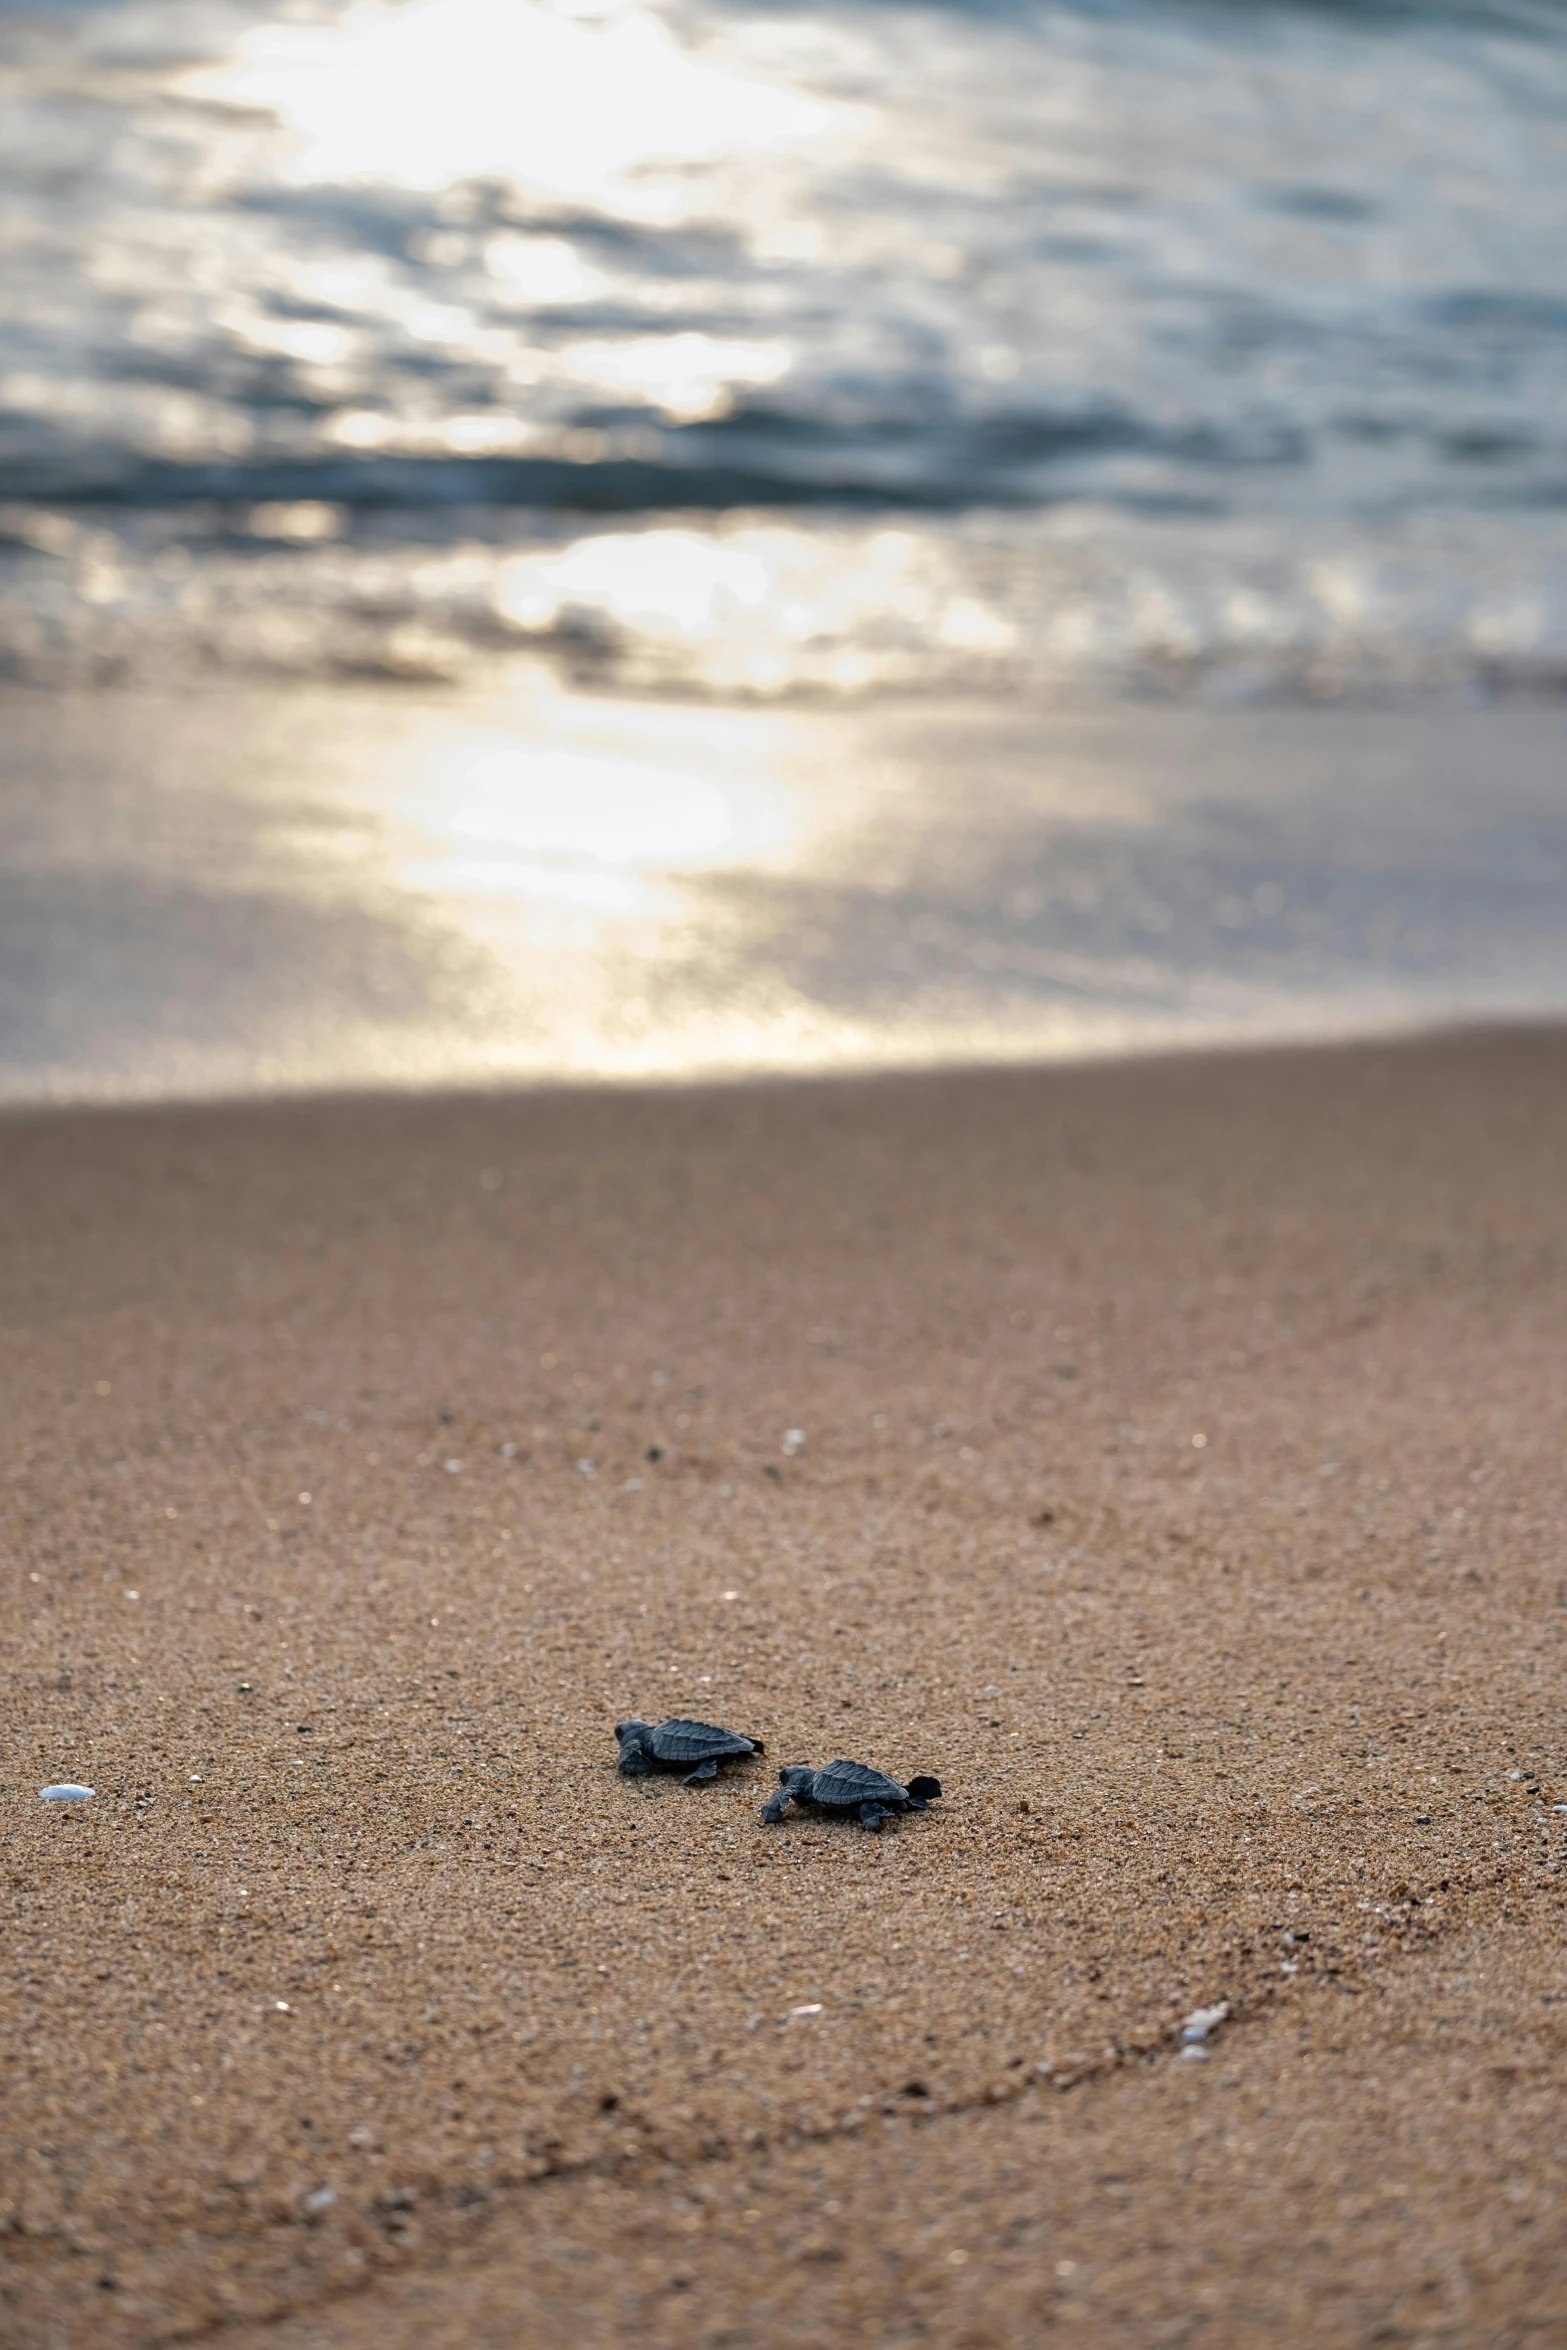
(1200, 2023)
(67, 1792)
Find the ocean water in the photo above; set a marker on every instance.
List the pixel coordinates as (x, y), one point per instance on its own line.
(598, 539)
(777, 347)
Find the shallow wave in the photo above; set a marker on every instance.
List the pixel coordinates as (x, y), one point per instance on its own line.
(1081, 602)
(1022, 456)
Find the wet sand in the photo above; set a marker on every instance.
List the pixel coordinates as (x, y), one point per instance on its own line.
(239, 890)
(1180, 1481)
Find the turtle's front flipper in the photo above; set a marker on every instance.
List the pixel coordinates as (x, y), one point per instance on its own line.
(774, 1808)
(871, 1816)
(634, 1767)
(704, 1770)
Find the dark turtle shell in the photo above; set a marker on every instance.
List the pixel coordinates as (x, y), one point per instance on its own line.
(846, 1785)
(697, 1742)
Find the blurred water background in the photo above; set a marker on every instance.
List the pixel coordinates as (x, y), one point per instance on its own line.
(735, 379)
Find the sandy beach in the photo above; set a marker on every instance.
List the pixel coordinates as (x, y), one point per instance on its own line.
(1176, 1472)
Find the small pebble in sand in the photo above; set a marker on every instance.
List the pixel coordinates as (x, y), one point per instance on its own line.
(67, 1791)
(587, 1468)
(1200, 2023)
(793, 1441)
(321, 2199)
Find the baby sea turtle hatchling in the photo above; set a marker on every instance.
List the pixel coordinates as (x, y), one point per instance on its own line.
(696, 1748)
(848, 1787)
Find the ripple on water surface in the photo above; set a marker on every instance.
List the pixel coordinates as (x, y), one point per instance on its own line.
(1150, 348)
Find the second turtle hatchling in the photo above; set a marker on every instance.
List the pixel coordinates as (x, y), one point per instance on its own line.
(694, 1748)
(849, 1789)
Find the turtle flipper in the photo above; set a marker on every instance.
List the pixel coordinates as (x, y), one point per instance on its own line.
(773, 1809)
(871, 1817)
(704, 1770)
(635, 1766)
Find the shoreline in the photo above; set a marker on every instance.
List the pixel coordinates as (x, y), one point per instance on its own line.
(567, 1085)
(329, 888)
(360, 1908)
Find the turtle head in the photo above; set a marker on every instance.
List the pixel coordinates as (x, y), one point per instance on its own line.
(925, 1788)
(632, 1738)
(795, 1779)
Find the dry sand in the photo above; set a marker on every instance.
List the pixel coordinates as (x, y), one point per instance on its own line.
(1376, 2163)
(361, 1910)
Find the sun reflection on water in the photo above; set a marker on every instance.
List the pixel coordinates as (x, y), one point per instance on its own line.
(442, 90)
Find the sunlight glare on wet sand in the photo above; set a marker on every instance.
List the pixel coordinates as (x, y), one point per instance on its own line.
(592, 826)
(340, 886)
(524, 885)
